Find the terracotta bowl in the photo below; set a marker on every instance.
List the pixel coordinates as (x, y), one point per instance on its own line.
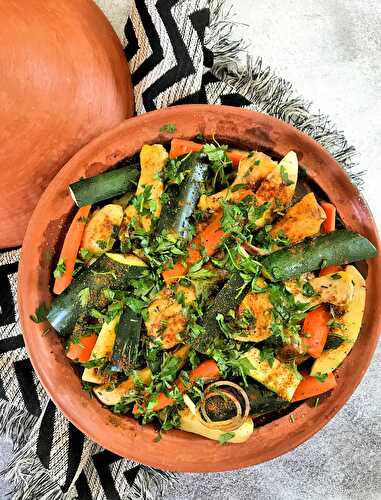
(64, 81)
(180, 451)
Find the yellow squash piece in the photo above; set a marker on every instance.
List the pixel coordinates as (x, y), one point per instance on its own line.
(301, 221)
(281, 378)
(166, 320)
(101, 229)
(278, 188)
(102, 349)
(193, 423)
(351, 319)
(111, 396)
(335, 288)
(153, 159)
(251, 171)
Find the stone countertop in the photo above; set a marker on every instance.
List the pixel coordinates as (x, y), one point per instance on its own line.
(331, 51)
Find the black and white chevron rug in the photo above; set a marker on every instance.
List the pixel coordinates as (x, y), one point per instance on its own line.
(179, 52)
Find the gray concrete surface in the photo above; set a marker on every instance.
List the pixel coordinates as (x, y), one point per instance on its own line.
(331, 51)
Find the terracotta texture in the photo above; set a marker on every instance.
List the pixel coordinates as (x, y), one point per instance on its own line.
(64, 81)
(123, 435)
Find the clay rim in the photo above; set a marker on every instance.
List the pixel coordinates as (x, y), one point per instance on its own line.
(200, 454)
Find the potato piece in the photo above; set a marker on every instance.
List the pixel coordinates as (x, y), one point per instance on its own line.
(165, 317)
(279, 377)
(301, 221)
(351, 319)
(101, 229)
(278, 188)
(193, 423)
(102, 349)
(261, 308)
(111, 396)
(335, 288)
(251, 171)
(153, 159)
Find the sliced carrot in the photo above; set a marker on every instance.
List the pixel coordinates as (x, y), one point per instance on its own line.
(70, 249)
(330, 222)
(236, 155)
(209, 238)
(330, 270)
(181, 147)
(315, 331)
(311, 386)
(207, 371)
(81, 351)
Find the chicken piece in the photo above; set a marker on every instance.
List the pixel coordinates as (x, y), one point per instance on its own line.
(166, 319)
(301, 221)
(335, 288)
(251, 171)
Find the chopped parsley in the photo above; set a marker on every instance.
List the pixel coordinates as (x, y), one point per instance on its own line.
(225, 437)
(40, 314)
(321, 377)
(168, 127)
(60, 269)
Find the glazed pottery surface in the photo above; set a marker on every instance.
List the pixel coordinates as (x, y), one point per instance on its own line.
(121, 434)
(64, 81)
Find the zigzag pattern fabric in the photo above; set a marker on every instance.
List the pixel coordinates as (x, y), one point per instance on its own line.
(179, 52)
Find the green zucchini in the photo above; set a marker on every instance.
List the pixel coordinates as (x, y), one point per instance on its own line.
(126, 347)
(229, 297)
(339, 247)
(263, 401)
(183, 199)
(104, 186)
(86, 291)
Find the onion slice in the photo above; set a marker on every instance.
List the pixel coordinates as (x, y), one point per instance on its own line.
(216, 389)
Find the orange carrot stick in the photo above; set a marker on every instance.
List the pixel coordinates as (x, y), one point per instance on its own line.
(330, 270)
(70, 249)
(315, 331)
(330, 222)
(181, 147)
(81, 351)
(207, 371)
(311, 386)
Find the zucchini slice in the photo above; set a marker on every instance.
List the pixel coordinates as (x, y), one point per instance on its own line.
(102, 350)
(339, 247)
(193, 423)
(104, 186)
(102, 228)
(280, 378)
(176, 213)
(111, 396)
(351, 319)
(126, 347)
(263, 401)
(108, 271)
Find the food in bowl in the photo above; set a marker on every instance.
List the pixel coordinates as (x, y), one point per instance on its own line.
(207, 288)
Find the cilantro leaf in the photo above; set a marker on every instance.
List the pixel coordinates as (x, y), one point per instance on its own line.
(168, 127)
(60, 269)
(84, 296)
(40, 314)
(321, 377)
(225, 437)
(284, 175)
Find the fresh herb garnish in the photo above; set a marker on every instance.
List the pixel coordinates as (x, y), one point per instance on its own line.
(60, 269)
(321, 377)
(40, 314)
(84, 296)
(225, 437)
(168, 127)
